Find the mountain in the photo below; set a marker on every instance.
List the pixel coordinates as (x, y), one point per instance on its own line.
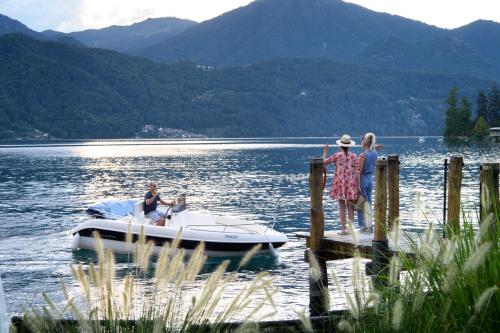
(74, 92)
(442, 55)
(269, 29)
(483, 36)
(118, 38)
(333, 29)
(132, 37)
(8, 25)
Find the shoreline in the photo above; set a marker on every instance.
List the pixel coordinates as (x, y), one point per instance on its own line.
(143, 141)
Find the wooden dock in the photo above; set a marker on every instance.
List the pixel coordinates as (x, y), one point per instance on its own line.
(335, 246)
(383, 243)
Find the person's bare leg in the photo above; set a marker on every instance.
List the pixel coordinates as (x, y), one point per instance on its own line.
(342, 214)
(350, 212)
(161, 222)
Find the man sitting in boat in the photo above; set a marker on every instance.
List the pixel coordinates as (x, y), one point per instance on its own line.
(151, 204)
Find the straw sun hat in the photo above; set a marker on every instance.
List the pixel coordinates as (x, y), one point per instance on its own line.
(345, 141)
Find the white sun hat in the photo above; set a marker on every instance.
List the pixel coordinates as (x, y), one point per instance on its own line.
(345, 141)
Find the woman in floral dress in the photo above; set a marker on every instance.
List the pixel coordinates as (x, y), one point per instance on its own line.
(344, 185)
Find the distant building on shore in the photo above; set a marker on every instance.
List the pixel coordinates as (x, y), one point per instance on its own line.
(148, 129)
(152, 131)
(495, 134)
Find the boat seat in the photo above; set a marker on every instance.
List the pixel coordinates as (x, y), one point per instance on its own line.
(139, 213)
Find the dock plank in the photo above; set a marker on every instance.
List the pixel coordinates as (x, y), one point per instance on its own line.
(336, 246)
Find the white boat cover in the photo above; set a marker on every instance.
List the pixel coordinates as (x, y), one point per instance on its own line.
(113, 209)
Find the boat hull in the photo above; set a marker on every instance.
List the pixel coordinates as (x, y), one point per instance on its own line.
(89, 243)
(219, 239)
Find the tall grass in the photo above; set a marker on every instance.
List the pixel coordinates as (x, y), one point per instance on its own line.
(173, 302)
(449, 285)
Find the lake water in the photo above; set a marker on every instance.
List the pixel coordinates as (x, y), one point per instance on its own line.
(44, 189)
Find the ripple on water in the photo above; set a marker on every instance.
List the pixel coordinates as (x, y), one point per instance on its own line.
(258, 179)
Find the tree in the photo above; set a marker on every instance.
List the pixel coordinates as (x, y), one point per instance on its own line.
(493, 114)
(482, 105)
(481, 129)
(464, 118)
(451, 114)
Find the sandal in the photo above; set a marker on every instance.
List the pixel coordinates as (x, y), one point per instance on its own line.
(344, 232)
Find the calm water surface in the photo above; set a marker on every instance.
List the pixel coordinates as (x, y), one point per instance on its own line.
(44, 188)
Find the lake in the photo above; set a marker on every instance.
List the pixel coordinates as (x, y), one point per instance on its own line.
(44, 189)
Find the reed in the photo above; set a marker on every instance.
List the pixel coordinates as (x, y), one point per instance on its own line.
(451, 285)
(174, 302)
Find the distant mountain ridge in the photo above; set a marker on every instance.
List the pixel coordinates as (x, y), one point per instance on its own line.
(483, 36)
(75, 92)
(8, 26)
(135, 36)
(119, 38)
(268, 29)
(285, 28)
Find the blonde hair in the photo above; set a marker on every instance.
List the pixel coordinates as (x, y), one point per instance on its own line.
(369, 139)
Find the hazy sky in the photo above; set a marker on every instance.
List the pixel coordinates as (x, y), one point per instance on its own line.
(72, 15)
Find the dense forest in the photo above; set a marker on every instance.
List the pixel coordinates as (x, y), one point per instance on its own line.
(75, 92)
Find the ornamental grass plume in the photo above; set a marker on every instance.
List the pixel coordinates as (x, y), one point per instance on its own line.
(175, 300)
(449, 285)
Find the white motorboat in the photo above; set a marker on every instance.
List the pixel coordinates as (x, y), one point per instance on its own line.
(222, 235)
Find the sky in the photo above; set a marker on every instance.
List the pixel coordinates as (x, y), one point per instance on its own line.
(76, 15)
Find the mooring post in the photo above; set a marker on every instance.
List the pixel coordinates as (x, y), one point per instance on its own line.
(318, 287)
(454, 189)
(488, 192)
(445, 186)
(378, 268)
(393, 191)
(380, 233)
(317, 228)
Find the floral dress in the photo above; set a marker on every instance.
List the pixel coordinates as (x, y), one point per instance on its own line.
(344, 185)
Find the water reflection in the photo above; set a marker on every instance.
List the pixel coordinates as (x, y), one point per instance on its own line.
(257, 179)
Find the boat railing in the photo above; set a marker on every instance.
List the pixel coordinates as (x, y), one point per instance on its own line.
(238, 226)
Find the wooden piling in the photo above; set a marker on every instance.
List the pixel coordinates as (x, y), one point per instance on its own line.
(445, 187)
(393, 191)
(378, 268)
(454, 189)
(488, 189)
(380, 233)
(317, 227)
(318, 286)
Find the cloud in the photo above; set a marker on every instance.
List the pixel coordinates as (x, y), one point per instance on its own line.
(100, 13)
(443, 13)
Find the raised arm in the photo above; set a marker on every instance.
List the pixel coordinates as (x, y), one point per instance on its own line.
(326, 159)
